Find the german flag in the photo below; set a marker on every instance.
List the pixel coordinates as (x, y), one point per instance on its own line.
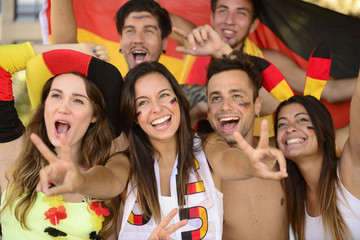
(293, 27)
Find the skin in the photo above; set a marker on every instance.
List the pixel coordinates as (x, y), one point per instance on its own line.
(231, 22)
(141, 33)
(258, 202)
(68, 102)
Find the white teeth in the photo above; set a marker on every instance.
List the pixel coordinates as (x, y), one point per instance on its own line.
(139, 52)
(229, 119)
(228, 31)
(62, 122)
(295, 140)
(160, 120)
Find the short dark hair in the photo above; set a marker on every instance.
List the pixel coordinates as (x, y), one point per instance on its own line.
(255, 4)
(237, 61)
(150, 6)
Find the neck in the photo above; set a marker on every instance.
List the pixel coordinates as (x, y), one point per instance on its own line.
(165, 151)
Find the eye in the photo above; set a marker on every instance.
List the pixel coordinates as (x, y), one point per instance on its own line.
(241, 13)
(216, 99)
(55, 95)
(304, 120)
(236, 96)
(149, 31)
(281, 124)
(129, 31)
(79, 101)
(164, 95)
(141, 103)
(222, 11)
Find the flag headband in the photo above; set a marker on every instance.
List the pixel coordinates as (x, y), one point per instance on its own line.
(317, 74)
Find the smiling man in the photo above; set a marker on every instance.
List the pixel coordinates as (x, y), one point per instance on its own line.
(253, 208)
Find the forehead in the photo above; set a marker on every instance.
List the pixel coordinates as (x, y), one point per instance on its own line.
(69, 81)
(234, 3)
(225, 81)
(140, 18)
(151, 84)
(291, 110)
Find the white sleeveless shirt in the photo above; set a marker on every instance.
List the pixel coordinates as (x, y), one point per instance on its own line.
(203, 205)
(348, 205)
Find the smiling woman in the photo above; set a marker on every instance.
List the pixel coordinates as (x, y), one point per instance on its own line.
(72, 117)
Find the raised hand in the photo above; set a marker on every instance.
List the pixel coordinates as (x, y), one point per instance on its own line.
(163, 233)
(62, 172)
(202, 41)
(263, 159)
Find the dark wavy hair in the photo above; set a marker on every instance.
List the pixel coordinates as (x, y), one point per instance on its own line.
(237, 60)
(295, 184)
(140, 149)
(95, 150)
(150, 6)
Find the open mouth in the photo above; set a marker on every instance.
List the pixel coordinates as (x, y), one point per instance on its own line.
(228, 123)
(62, 127)
(227, 33)
(295, 140)
(139, 56)
(161, 122)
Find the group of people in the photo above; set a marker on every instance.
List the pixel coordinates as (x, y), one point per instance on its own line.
(70, 175)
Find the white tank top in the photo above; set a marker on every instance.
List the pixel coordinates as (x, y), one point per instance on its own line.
(203, 202)
(348, 205)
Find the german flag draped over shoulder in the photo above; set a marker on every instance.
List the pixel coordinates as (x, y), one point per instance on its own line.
(293, 27)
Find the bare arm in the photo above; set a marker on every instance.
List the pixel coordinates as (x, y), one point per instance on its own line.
(180, 23)
(334, 91)
(102, 182)
(62, 20)
(245, 161)
(350, 159)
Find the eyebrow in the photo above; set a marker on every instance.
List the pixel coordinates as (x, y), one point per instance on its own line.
(146, 26)
(163, 90)
(233, 90)
(296, 115)
(239, 8)
(74, 94)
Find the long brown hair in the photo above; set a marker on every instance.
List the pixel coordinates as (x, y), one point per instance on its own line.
(295, 184)
(95, 150)
(140, 149)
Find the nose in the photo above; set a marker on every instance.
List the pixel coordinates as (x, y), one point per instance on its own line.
(64, 108)
(227, 104)
(139, 37)
(229, 18)
(156, 107)
(291, 128)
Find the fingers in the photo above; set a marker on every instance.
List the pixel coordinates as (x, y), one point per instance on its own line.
(281, 160)
(176, 226)
(243, 144)
(168, 218)
(43, 149)
(264, 136)
(101, 52)
(43, 184)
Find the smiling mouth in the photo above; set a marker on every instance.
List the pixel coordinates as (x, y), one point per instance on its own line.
(62, 127)
(294, 141)
(160, 121)
(228, 123)
(139, 56)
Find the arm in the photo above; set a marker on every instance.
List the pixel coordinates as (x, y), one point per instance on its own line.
(102, 182)
(62, 20)
(245, 161)
(334, 91)
(180, 23)
(349, 167)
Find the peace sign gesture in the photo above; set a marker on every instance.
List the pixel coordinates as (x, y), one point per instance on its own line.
(163, 233)
(63, 172)
(263, 158)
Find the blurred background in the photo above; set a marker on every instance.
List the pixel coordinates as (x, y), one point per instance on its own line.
(19, 22)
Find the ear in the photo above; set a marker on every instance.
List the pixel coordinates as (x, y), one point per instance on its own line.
(254, 25)
(94, 119)
(164, 43)
(257, 105)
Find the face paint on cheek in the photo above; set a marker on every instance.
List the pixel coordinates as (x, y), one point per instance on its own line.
(245, 106)
(174, 103)
(138, 115)
(311, 129)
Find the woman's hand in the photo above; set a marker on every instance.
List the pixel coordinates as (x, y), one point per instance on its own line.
(163, 233)
(263, 159)
(62, 172)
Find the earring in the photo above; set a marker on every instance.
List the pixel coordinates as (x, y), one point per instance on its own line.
(164, 51)
(120, 50)
(257, 115)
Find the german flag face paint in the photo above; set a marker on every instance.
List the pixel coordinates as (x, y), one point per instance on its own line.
(174, 103)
